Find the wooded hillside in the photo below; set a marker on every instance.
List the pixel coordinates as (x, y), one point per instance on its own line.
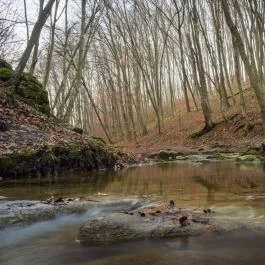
(119, 64)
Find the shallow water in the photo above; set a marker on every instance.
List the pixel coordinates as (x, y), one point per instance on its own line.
(229, 188)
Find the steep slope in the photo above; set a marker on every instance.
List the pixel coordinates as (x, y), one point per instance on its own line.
(31, 143)
(237, 133)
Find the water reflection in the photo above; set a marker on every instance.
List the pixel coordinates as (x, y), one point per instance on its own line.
(187, 183)
(229, 188)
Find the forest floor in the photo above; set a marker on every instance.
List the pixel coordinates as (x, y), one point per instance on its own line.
(28, 128)
(236, 134)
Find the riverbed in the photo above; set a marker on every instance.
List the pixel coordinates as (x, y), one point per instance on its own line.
(233, 189)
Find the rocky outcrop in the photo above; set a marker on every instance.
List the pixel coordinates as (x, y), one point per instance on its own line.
(28, 88)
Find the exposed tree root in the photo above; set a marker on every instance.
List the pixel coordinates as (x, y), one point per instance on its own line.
(203, 131)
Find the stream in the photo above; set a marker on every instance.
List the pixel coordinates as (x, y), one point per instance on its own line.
(226, 187)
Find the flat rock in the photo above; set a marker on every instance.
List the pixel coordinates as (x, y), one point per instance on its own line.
(157, 221)
(120, 227)
(17, 213)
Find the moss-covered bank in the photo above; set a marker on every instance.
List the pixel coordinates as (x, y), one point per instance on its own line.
(50, 160)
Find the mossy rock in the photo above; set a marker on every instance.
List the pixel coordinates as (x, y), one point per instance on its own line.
(5, 64)
(33, 92)
(99, 140)
(246, 158)
(78, 130)
(6, 161)
(50, 160)
(27, 154)
(166, 155)
(251, 151)
(123, 155)
(5, 74)
(30, 89)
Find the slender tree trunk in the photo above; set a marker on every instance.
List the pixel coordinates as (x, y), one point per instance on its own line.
(32, 41)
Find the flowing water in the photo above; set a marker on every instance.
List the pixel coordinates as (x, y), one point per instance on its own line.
(236, 190)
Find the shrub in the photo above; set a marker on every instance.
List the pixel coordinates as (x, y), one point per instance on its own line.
(5, 74)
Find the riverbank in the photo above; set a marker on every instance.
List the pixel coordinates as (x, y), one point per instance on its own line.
(35, 144)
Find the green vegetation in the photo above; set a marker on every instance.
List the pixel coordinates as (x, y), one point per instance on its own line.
(60, 158)
(99, 140)
(246, 158)
(5, 74)
(251, 151)
(32, 91)
(6, 162)
(29, 88)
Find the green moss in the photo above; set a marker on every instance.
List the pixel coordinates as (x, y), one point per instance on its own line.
(5, 74)
(251, 152)
(246, 158)
(45, 108)
(5, 64)
(73, 150)
(26, 154)
(33, 92)
(99, 140)
(5, 162)
(59, 158)
(78, 130)
(50, 158)
(222, 156)
(29, 88)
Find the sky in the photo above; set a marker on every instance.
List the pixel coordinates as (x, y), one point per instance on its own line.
(32, 13)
